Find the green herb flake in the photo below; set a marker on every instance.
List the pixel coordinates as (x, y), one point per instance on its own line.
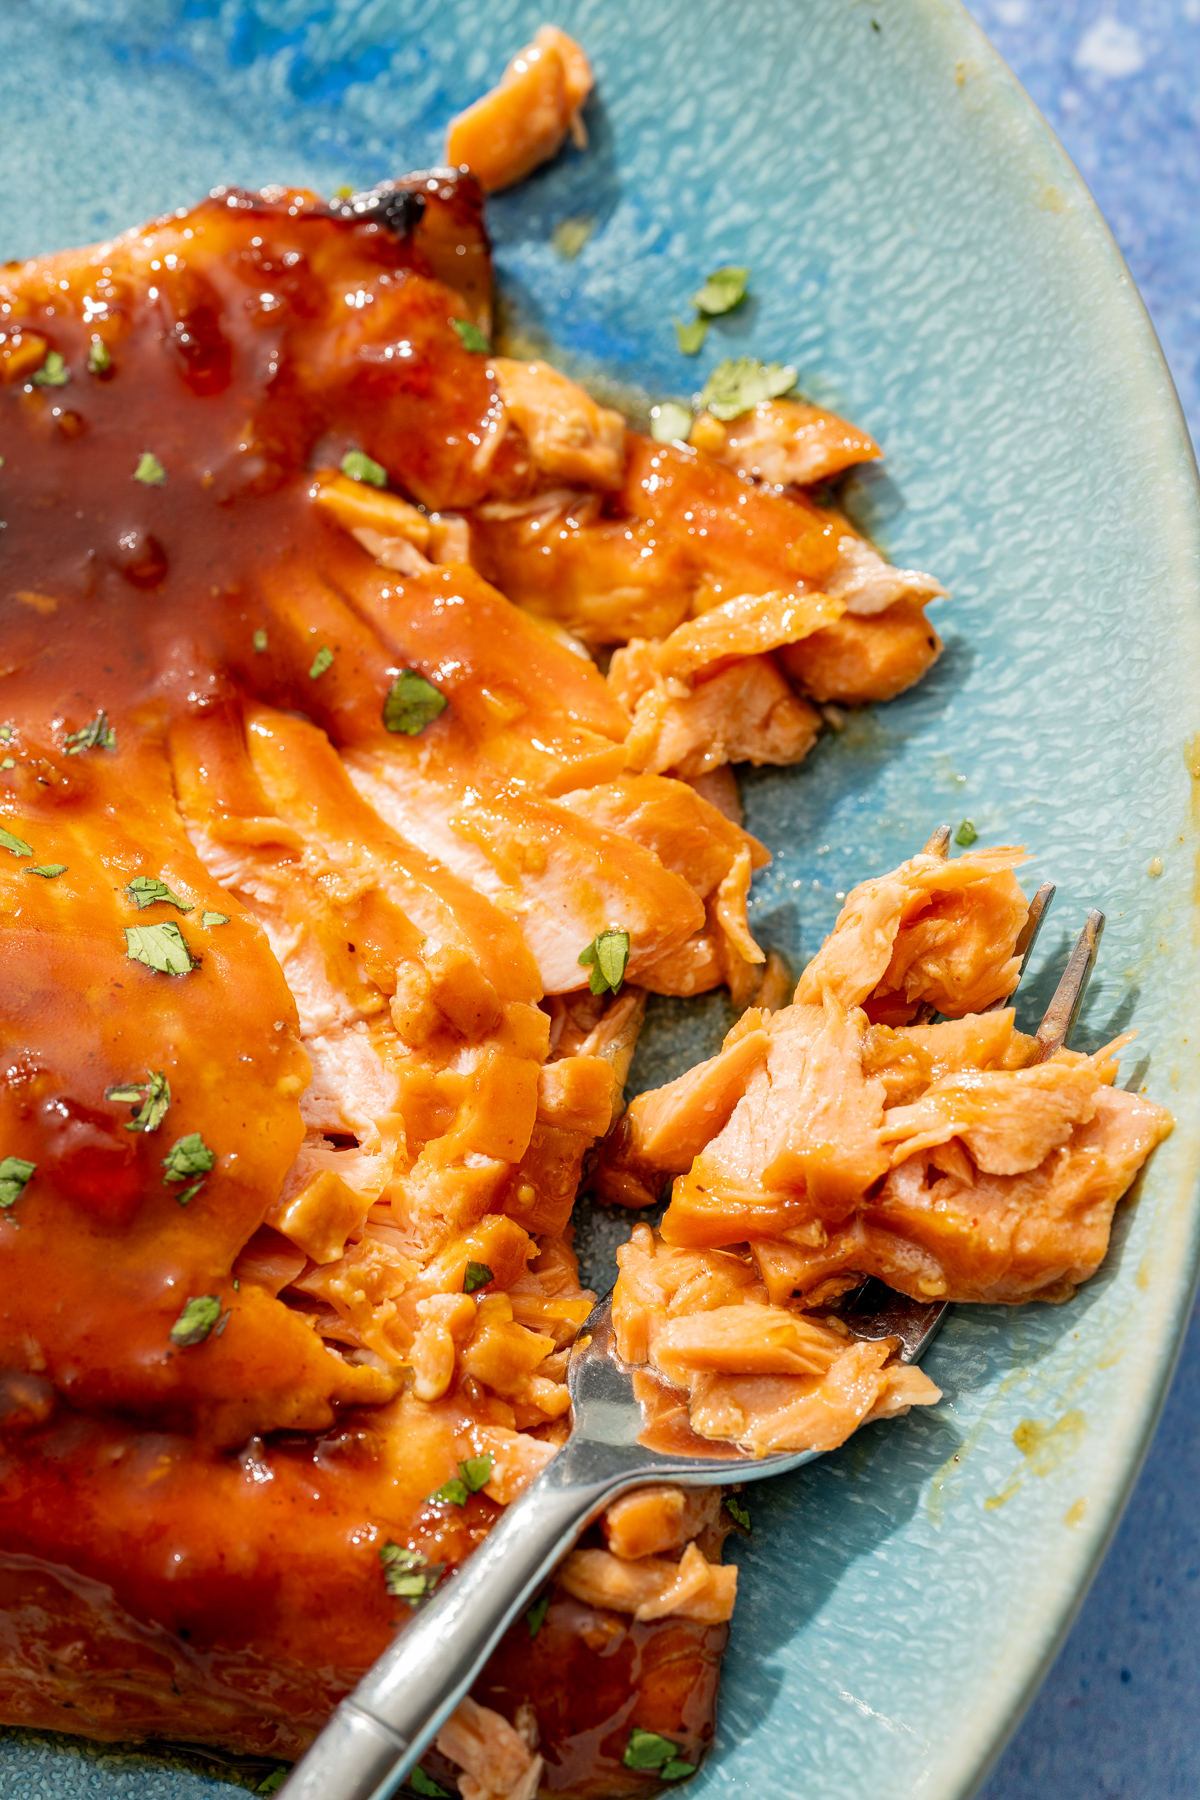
(53, 372)
(149, 1098)
(271, 1784)
(187, 1156)
(412, 703)
(420, 1783)
(147, 890)
(570, 235)
(15, 1174)
(966, 834)
(478, 1275)
(607, 955)
(99, 361)
(476, 1471)
(48, 870)
(670, 422)
(214, 918)
(451, 1493)
(196, 1321)
(724, 289)
(646, 1750)
(97, 734)
(6, 731)
(737, 1511)
(470, 336)
(150, 470)
(360, 467)
(10, 762)
(408, 1575)
(535, 1618)
(15, 845)
(690, 336)
(162, 948)
(741, 382)
(260, 642)
(321, 661)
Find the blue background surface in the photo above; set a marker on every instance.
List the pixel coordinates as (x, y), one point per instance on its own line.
(1119, 1715)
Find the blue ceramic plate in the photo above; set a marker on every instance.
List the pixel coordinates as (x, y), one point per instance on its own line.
(925, 254)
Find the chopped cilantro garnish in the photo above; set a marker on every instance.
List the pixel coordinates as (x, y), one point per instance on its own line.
(150, 1098)
(99, 361)
(607, 955)
(741, 382)
(412, 703)
(187, 1156)
(260, 641)
(9, 762)
(408, 1575)
(271, 1784)
(150, 470)
(214, 918)
(17, 846)
(6, 731)
(15, 1174)
(162, 948)
(535, 1618)
(53, 372)
(49, 870)
(477, 1470)
(724, 289)
(420, 1783)
(470, 336)
(669, 422)
(478, 1275)
(321, 661)
(737, 1511)
(360, 467)
(473, 1474)
(966, 834)
(647, 1750)
(690, 336)
(146, 890)
(97, 734)
(196, 1321)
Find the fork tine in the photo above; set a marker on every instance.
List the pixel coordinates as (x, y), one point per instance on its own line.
(1062, 1012)
(939, 843)
(1039, 906)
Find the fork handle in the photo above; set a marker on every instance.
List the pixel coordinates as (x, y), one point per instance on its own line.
(376, 1735)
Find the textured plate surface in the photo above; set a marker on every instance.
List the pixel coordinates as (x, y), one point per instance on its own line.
(926, 256)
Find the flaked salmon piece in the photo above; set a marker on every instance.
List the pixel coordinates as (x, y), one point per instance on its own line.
(785, 443)
(719, 787)
(933, 931)
(1009, 1120)
(655, 1520)
(858, 660)
(666, 1128)
(607, 580)
(657, 1282)
(524, 121)
(571, 437)
(496, 1761)
(744, 625)
(744, 1340)
(744, 713)
(653, 1588)
(867, 585)
(768, 1413)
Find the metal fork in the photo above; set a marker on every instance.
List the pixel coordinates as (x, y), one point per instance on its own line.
(377, 1735)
